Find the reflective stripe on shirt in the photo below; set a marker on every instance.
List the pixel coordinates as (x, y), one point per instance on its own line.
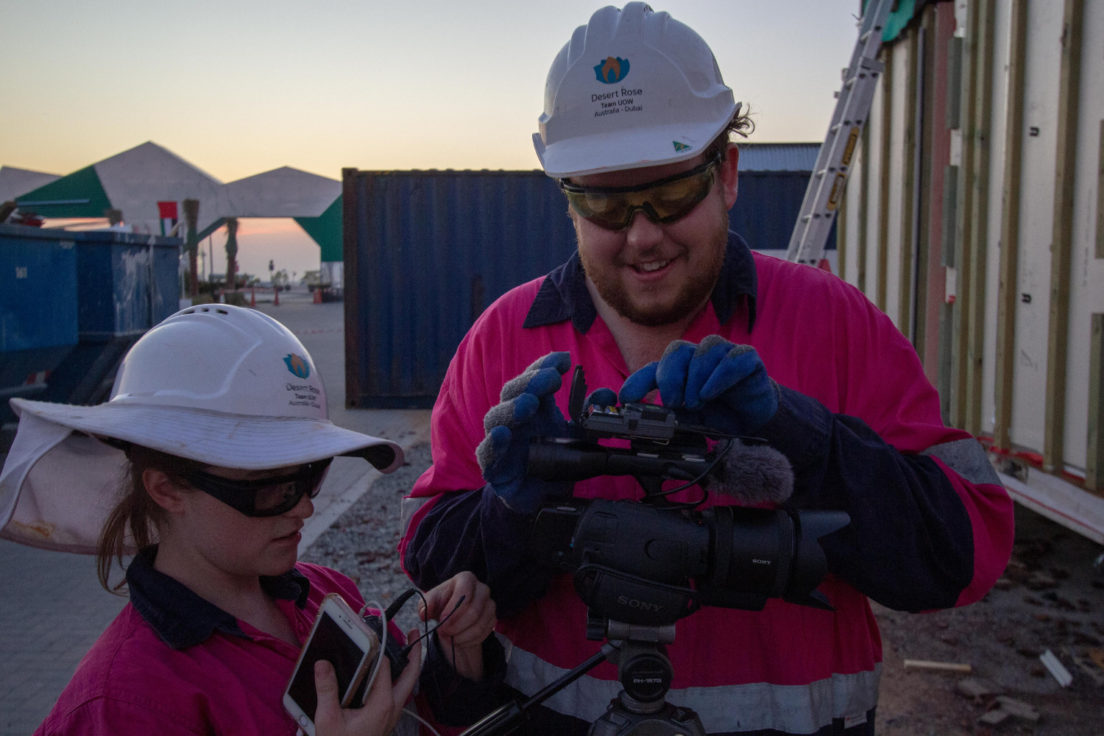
(747, 707)
(407, 508)
(967, 458)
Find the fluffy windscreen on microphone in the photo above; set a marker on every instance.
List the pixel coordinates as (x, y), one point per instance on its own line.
(752, 474)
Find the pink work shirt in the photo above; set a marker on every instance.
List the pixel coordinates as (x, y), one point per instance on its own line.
(132, 682)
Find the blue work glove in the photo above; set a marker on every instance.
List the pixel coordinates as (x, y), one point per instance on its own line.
(527, 409)
(716, 384)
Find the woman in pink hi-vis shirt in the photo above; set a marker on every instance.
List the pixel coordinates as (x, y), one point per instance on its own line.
(203, 465)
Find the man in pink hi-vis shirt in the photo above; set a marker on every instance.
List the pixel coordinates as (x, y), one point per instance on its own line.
(660, 295)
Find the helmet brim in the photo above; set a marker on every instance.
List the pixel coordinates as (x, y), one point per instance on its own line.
(223, 440)
(625, 149)
(65, 470)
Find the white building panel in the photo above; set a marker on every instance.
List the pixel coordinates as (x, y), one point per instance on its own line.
(1062, 491)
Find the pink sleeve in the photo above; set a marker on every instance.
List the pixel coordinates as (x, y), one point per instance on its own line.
(991, 512)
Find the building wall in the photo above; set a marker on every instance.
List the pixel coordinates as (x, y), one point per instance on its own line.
(995, 227)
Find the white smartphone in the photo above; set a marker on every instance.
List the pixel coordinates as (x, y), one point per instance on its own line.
(342, 638)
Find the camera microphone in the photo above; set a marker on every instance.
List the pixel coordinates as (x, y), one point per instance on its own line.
(752, 474)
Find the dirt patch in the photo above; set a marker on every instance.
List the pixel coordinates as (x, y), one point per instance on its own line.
(1051, 598)
(363, 542)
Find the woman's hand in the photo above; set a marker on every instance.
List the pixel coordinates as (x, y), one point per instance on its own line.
(382, 708)
(464, 607)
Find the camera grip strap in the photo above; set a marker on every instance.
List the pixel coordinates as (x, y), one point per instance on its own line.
(631, 599)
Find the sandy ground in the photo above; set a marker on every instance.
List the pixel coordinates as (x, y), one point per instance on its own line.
(1051, 598)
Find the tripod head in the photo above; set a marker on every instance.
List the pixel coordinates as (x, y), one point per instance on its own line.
(645, 673)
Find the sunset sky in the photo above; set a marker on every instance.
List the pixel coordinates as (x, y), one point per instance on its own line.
(238, 88)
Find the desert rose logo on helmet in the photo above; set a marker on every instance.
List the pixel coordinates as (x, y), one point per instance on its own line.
(612, 70)
(297, 365)
(303, 394)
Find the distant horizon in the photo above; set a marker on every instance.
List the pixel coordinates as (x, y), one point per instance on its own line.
(237, 88)
(261, 239)
(534, 167)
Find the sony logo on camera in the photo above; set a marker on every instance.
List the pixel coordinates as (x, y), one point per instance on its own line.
(625, 600)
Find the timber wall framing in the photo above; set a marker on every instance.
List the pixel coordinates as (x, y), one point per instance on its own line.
(974, 219)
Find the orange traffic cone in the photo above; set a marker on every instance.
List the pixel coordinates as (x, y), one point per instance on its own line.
(317, 296)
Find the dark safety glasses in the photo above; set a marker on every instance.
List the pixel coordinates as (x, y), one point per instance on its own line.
(263, 496)
(665, 200)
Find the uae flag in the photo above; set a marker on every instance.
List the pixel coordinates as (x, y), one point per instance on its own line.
(167, 211)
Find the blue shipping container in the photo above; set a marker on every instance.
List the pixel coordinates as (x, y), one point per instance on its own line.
(426, 251)
(38, 307)
(38, 288)
(767, 207)
(127, 282)
(71, 303)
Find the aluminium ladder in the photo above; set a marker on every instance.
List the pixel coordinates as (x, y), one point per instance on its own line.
(826, 185)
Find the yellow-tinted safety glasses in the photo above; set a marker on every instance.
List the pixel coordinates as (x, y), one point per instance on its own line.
(665, 200)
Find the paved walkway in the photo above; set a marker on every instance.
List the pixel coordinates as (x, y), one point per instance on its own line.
(52, 607)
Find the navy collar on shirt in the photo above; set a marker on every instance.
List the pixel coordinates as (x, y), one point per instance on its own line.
(182, 618)
(563, 294)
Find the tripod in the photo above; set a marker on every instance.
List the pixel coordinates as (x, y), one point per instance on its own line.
(640, 709)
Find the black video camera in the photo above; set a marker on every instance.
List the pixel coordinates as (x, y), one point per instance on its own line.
(652, 562)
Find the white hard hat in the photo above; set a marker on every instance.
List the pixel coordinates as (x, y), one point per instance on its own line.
(222, 385)
(631, 88)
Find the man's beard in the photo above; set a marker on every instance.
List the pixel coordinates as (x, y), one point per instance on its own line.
(691, 296)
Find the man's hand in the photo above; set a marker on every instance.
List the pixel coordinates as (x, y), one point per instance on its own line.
(716, 383)
(464, 607)
(527, 409)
